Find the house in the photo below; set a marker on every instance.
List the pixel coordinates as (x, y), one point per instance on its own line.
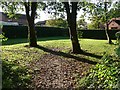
(5, 20)
(114, 23)
(41, 23)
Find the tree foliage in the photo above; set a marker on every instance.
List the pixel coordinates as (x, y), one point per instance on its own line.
(81, 23)
(57, 23)
(30, 9)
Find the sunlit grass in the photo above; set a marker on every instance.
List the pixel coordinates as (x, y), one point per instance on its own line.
(16, 55)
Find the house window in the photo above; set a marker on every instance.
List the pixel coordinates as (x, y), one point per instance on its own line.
(114, 27)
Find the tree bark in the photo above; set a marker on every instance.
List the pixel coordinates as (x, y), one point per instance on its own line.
(107, 27)
(107, 34)
(71, 18)
(30, 18)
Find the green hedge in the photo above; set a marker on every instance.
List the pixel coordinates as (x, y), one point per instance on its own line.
(97, 34)
(22, 32)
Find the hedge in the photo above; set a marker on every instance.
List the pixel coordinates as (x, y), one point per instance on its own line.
(98, 34)
(22, 32)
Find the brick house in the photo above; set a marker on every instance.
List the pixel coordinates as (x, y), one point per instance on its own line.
(114, 23)
(21, 20)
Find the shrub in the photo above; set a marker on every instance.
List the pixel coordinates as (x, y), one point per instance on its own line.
(104, 75)
(14, 76)
(80, 34)
(2, 37)
(117, 50)
(118, 37)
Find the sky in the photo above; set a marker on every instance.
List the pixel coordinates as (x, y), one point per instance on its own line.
(45, 16)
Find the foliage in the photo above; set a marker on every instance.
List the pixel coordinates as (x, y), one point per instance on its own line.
(91, 26)
(115, 10)
(81, 23)
(98, 13)
(80, 33)
(117, 50)
(104, 75)
(14, 76)
(57, 23)
(2, 37)
(16, 57)
(118, 37)
(11, 8)
(56, 9)
(17, 32)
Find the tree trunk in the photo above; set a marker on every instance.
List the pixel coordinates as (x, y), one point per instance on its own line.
(30, 18)
(74, 39)
(71, 18)
(32, 34)
(107, 34)
(107, 28)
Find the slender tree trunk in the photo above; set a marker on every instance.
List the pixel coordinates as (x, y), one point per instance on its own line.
(107, 34)
(71, 18)
(107, 27)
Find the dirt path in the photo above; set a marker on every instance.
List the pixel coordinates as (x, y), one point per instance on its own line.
(53, 71)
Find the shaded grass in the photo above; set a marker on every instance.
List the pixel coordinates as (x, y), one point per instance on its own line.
(15, 56)
(25, 40)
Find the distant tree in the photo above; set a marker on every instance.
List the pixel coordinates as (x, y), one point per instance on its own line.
(81, 23)
(107, 26)
(115, 10)
(57, 23)
(99, 15)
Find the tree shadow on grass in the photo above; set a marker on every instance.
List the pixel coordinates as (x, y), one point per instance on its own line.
(91, 54)
(69, 55)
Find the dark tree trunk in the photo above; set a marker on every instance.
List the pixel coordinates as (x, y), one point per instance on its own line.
(30, 18)
(71, 18)
(32, 34)
(107, 28)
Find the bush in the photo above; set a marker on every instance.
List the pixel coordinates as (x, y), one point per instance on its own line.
(80, 34)
(57, 23)
(118, 37)
(117, 50)
(17, 32)
(14, 76)
(2, 37)
(104, 75)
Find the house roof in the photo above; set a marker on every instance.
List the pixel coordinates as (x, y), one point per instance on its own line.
(117, 20)
(40, 22)
(21, 16)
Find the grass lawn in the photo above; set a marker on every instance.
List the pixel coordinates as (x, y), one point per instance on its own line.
(22, 65)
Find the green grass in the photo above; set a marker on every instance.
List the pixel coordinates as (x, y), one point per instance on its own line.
(16, 57)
